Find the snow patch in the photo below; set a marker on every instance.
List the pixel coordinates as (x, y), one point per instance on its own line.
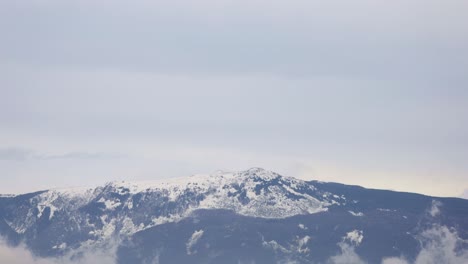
(110, 204)
(166, 219)
(61, 246)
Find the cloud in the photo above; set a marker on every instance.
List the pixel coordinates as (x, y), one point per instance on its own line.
(258, 75)
(193, 240)
(23, 154)
(17, 154)
(435, 208)
(394, 260)
(81, 155)
(440, 244)
(21, 255)
(348, 255)
(464, 194)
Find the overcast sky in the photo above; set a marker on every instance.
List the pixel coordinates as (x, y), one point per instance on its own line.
(365, 92)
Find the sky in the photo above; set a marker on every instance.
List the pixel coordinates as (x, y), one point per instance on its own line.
(367, 92)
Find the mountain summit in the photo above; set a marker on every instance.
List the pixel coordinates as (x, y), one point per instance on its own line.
(228, 217)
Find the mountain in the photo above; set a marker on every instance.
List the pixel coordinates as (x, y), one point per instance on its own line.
(253, 216)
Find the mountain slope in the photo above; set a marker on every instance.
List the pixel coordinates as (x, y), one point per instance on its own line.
(254, 215)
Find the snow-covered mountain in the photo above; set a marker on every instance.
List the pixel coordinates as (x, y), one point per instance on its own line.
(227, 217)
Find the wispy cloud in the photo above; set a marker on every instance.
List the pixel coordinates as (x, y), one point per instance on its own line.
(23, 154)
(17, 154)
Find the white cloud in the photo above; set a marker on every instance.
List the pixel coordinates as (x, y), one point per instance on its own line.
(193, 240)
(464, 194)
(21, 255)
(355, 237)
(348, 255)
(394, 260)
(439, 245)
(435, 208)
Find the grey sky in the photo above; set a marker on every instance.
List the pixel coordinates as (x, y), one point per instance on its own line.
(363, 92)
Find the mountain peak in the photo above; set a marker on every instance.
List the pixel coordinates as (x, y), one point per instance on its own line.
(81, 218)
(259, 172)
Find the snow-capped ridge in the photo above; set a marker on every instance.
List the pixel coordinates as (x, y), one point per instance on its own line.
(125, 207)
(215, 179)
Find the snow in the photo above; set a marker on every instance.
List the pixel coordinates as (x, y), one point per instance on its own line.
(219, 187)
(7, 195)
(129, 204)
(166, 219)
(108, 229)
(18, 229)
(128, 227)
(61, 246)
(59, 199)
(249, 193)
(110, 204)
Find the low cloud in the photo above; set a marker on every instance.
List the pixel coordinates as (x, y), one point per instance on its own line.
(193, 240)
(440, 244)
(394, 261)
(348, 255)
(464, 194)
(435, 208)
(21, 255)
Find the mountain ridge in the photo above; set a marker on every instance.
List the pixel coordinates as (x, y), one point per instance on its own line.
(60, 222)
